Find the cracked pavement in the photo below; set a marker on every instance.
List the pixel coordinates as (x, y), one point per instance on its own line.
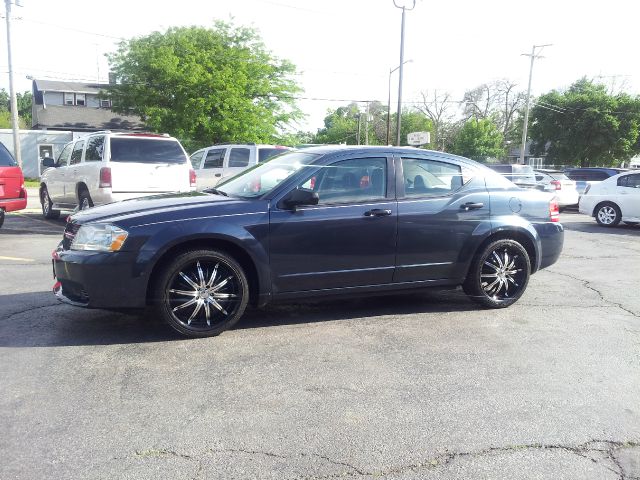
(401, 387)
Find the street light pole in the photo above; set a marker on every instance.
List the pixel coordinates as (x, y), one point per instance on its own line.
(12, 93)
(404, 9)
(389, 102)
(526, 107)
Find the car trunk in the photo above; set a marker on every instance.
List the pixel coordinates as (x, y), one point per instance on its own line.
(140, 164)
(11, 181)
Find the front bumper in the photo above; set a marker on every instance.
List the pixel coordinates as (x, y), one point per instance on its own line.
(551, 235)
(99, 279)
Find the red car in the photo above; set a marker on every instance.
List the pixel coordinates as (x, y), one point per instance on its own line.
(13, 195)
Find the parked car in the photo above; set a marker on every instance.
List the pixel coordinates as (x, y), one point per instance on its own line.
(521, 175)
(613, 200)
(105, 167)
(590, 175)
(216, 162)
(320, 221)
(560, 185)
(13, 195)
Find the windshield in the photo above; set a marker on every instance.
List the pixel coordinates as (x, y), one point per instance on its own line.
(146, 150)
(264, 177)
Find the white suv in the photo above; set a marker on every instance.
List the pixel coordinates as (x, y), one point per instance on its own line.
(105, 167)
(216, 162)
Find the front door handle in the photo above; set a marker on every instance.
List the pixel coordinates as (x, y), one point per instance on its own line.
(218, 175)
(377, 212)
(471, 206)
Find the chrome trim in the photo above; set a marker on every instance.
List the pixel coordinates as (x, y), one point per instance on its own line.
(198, 218)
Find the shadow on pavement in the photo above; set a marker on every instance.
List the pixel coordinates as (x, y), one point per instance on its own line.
(593, 227)
(35, 320)
(18, 223)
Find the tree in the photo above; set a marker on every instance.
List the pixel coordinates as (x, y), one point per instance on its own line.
(24, 109)
(437, 107)
(340, 126)
(479, 140)
(205, 85)
(586, 125)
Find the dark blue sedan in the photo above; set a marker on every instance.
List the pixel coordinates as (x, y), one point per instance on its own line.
(316, 222)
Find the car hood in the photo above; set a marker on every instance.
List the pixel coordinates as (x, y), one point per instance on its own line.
(139, 210)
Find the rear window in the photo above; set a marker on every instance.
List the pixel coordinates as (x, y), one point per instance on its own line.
(6, 160)
(266, 153)
(146, 150)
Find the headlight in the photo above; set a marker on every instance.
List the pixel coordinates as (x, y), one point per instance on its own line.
(101, 237)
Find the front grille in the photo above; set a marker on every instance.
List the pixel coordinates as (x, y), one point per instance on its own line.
(70, 231)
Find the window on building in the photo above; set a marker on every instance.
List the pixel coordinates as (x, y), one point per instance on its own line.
(105, 103)
(69, 98)
(81, 99)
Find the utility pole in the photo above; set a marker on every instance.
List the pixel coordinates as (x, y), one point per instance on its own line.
(12, 92)
(404, 8)
(366, 125)
(533, 56)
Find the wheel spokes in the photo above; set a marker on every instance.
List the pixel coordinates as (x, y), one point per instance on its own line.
(189, 281)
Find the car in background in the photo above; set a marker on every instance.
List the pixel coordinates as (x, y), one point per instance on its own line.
(522, 175)
(321, 221)
(216, 162)
(613, 200)
(13, 195)
(590, 175)
(106, 167)
(556, 182)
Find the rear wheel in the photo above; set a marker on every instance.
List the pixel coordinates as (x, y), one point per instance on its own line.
(1, 216)
(608, 214)
(84, 200)
(499, 274)
(201, 293)
(47, 205)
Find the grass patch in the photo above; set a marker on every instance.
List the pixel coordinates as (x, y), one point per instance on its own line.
(31, 182)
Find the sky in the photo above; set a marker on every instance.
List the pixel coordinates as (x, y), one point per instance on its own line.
(345, 49)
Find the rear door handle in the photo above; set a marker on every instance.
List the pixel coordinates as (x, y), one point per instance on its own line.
(377, 212)
(471, 206)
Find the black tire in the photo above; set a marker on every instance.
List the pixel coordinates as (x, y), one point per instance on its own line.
(84, 200)
(608, 214)
(1, 217)
(508, 263)
(47, 205)
(215, 286)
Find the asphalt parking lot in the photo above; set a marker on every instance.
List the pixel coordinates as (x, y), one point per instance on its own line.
(405, 387)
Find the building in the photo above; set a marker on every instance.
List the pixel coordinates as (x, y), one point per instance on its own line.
(76, 107)
(35, 145)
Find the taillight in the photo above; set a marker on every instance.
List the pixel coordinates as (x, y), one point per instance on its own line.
(586, 190)
(192, 177)
(556, 184)
(554, 210)
(105, 177)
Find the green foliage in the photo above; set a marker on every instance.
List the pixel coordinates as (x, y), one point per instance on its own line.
(291, 139)
(585, 125)
(24, 109)
(205, 85)
(341, 125)
(479, 140)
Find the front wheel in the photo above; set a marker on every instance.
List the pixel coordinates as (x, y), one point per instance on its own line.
(201, 293)
(499, 274)
(608, 214)
(47, 205)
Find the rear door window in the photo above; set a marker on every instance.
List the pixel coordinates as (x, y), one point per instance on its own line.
(76, 153)
(424, 177)
(146, 150)
(214, 158)
(95, 147)
(630, 181)
(239, 157)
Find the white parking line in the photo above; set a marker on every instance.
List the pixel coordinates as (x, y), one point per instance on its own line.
(17, 259)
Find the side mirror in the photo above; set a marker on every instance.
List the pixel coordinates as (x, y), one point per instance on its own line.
(300, 197)
(48, 162)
